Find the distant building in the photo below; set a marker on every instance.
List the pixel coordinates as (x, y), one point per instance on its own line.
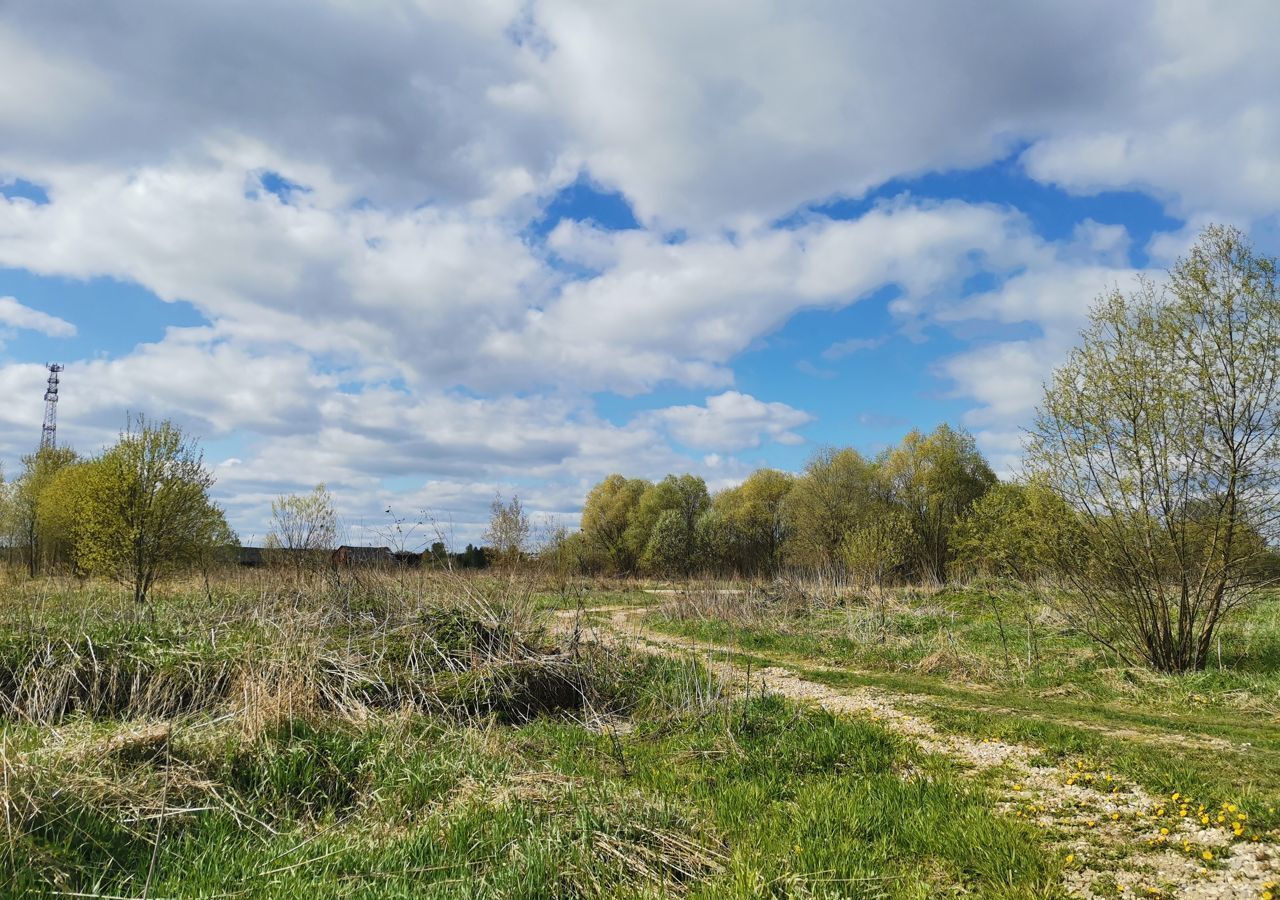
(363, 556)
(255, 557)
(249, 556)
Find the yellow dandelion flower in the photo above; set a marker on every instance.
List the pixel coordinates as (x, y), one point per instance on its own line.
(1208, 854)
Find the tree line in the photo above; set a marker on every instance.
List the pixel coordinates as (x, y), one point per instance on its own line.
(844, 513)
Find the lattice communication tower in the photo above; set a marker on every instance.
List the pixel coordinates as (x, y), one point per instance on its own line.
(49, 434)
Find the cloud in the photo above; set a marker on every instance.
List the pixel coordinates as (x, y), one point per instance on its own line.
(813, 371)
(14, 315)
(273, 424)
(307, 296)
(405, 103)
(399, 327)
(681, 311)
(703, 118)
(1052, 294)
(733, 421)
(449, 298)
(841, 349)
(1191, 125)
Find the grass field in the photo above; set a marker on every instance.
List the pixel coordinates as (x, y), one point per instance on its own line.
(1219, 730)
(440, 736)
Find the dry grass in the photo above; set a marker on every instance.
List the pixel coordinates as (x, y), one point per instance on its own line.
(333, 645)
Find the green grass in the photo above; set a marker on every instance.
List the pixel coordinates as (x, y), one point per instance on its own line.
(743, 801)
(1212, 735)
(571, 596)
(407, 738)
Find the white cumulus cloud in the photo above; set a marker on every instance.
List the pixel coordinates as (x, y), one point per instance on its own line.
(14, 315)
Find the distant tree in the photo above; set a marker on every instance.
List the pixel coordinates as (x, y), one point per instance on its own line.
(877, 547)
(1020, 531)
(473, 558)
(715, 549)
(142, 511)
(304, 526)
(508, 532)
(606, 517)
(60, 505)
(1023, 532)
(935, 478)
(670, 549)
(1160, 430)
(437, 555)
(756, 522)
(874, 550)
(834, 494)
(686, 497)
(6, 516)
(38, 471)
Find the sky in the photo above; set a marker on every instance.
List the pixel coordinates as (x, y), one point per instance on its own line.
(429, 252)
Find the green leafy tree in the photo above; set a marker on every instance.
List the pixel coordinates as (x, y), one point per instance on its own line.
(935, 478)
(713, 543)
(754, 522)
(606, 517)
(508, 532)
(1020, 531)
(670, 547)
(1023, 532)
(38, 471)
(564, 553)
(1160, 430)
(142, 509)
(684, 495)
(303, 526)
(836, 492)
(875, 549)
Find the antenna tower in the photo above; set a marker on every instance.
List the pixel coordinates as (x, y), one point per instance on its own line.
(49, 434)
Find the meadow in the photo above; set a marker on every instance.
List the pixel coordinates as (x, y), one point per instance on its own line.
(428, 734)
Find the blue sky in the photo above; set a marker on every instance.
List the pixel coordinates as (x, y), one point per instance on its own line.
(427, 254)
